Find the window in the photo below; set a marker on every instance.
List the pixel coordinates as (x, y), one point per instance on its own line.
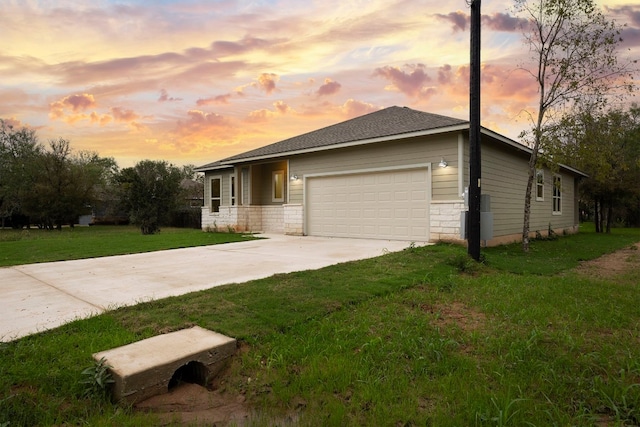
(232, 190)
(557, 194)
(278, 186)
(539, 186)
(216, 193)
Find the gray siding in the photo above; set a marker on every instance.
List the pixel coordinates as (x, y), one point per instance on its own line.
(383, 155)
(504, 178)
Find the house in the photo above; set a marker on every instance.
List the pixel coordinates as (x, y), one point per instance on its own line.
(396, 174)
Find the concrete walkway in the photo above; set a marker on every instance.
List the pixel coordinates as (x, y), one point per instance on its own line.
(37, 297)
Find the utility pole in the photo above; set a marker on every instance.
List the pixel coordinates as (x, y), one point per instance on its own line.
(473, 226)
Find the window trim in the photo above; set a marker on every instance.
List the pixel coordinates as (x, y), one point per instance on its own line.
(557, 195)
(212, 209)
(539, 186)
(274, 184)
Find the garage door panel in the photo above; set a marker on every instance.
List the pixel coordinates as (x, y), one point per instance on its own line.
(386, 205)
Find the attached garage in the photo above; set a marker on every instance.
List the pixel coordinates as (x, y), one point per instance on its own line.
(390, 205)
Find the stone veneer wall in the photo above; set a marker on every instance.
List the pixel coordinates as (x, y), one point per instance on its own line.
(272, 219)
(294, 219)
(445, 220)
(268, 219)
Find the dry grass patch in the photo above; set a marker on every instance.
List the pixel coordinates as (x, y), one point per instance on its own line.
(621, 262)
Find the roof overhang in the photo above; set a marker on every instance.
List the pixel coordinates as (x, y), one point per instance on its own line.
(232, 161)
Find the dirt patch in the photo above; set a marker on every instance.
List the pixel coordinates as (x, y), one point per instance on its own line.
(611, 265)
(457, 314)
(192, 404)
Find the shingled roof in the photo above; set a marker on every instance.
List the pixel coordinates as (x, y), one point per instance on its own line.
(379, 124)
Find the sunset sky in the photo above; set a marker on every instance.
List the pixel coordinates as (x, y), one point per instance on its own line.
(193, 81)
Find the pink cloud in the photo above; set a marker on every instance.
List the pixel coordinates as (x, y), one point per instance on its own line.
(504, 22)
(411, 80)
(225, 48)
(164, 97)
(329, 87)
(496, 21)
(215, 100)
(459, 20)
(199, 118)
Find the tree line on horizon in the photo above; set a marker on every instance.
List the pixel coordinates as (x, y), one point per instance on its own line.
(50, 185)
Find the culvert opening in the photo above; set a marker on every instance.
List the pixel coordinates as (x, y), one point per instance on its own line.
(193, 373)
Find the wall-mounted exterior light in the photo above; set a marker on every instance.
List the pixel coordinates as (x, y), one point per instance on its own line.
(443, 163)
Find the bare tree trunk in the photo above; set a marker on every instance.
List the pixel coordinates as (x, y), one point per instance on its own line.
(596, 215)
(527, 209)
(609, 216)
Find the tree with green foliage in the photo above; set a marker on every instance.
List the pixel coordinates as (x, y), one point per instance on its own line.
(64, 184)
(19, 149)
(574, 51)
(149, 192)
(607, 147)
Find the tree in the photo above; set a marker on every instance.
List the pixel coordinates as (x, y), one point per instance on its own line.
(607, 147)
(149, 193)
(573, 46)
(19, 149)
(64, 185)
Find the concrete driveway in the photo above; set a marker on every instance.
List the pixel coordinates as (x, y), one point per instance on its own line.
(38, 297)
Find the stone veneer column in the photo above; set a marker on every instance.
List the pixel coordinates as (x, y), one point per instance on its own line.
(445, 220)
(294, 219)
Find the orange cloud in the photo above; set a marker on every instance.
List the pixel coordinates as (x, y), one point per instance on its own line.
(352, 108)
(121, 115)
(263, 115)
(267, 82)
(73, 103)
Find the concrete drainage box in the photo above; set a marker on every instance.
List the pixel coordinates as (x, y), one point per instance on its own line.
(145, 368)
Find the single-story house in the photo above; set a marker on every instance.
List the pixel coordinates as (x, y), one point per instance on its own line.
(395, 174)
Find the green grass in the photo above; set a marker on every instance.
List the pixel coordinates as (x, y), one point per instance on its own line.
(410, 338)
(34, 245)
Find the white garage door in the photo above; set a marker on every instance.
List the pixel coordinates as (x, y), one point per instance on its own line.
(390, 205)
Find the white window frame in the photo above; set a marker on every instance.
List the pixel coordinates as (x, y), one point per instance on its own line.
(274, 183)
(540, 185)
(212, 209)
(232, 189)
(557, 195)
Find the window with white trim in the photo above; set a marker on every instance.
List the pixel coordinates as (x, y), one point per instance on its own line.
(557, 194)
(216, 194)
(277, 186)
(539, 185)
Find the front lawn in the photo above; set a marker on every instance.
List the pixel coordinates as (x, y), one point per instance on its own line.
(35, 245)
(418, 337)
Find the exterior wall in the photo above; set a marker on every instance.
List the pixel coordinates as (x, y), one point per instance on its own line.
(504, 178)
(413, 151)
(445, 220)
